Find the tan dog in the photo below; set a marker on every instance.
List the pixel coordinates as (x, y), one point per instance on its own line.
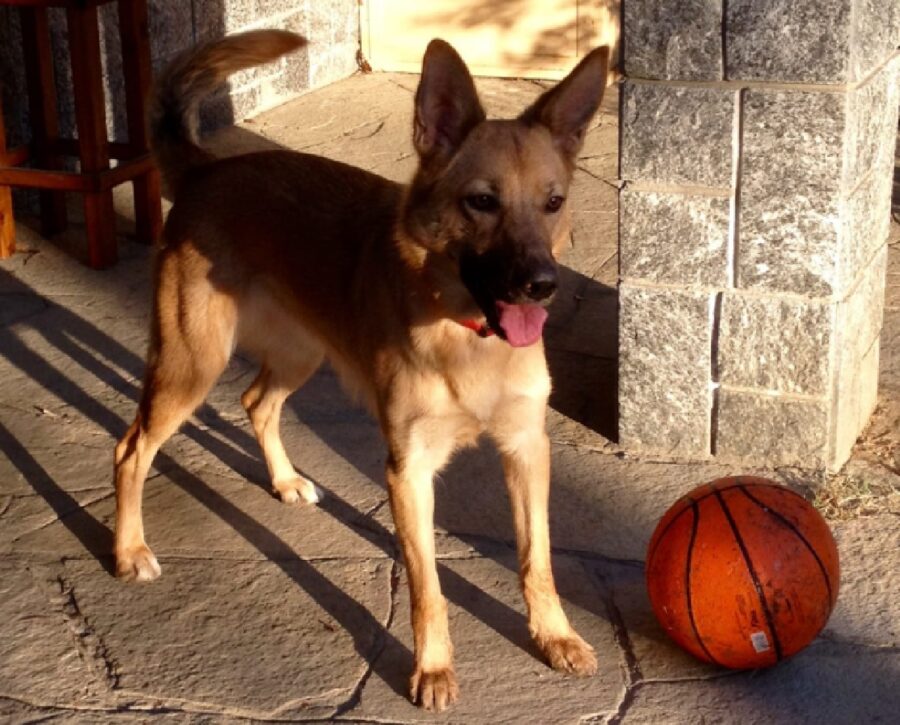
(429, 300)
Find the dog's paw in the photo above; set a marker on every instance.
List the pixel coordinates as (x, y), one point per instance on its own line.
(137, 564)
(295, 490)
(434, 690)
(569, 654)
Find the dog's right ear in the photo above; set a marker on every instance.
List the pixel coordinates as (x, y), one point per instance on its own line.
(447, 106)
(567, 108)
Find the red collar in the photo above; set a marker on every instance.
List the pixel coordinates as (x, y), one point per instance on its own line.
(480, 328)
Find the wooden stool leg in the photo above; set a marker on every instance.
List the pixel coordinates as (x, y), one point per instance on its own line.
(42, 106)
(135, 36)
(93, 145)
(7, 224)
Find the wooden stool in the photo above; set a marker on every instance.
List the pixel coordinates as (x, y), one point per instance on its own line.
(96, 179)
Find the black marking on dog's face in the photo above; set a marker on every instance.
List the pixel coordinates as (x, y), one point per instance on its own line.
(506, 273)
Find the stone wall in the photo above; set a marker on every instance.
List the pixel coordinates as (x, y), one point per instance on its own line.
(757, 155)
(332, 27)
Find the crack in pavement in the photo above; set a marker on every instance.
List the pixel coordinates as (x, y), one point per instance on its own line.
(380, 644)
(375, 509)
(610, 450)
(399, 85)
(590, 173)
(90, 647)
(631, 669)
(378, 126)
(59, 517)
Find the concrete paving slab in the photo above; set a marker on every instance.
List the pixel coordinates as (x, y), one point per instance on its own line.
(303, 647)
(868, 608)
(828, 683)
(498, 668)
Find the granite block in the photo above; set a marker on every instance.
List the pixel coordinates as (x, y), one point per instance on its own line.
(673, 238)
(855, 397)
(876, 34)
(227, 107)
(332, 28)
(294, 76)
(788, 40)
(774, 344)
(62, 70)
(172, 26)
(790, 199)
(858, 327)
(13, 90)
(771, 430)
(333, 22)
(665, 395)
(215, 18)
(865, 227)
(248, 77)
(871, 126)
(267, 8)
(331, 65)
(859, 316)
(672, 39)
(677, 135)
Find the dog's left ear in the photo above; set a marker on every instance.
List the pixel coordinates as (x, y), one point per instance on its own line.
(567, 108)
(447, 105)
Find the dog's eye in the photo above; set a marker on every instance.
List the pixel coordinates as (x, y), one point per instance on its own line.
(483, 202)
(554, 203)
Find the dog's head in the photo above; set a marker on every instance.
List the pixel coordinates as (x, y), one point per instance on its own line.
(488, 201)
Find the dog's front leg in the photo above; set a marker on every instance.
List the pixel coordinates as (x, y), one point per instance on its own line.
(410, 475)
(525, 450)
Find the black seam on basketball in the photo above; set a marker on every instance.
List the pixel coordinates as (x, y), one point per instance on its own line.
(753, 575)
(711, 493)
(790, 525)
(662, 534)
(737, 484)
(693, 501)
(687, 581)
(791, 491)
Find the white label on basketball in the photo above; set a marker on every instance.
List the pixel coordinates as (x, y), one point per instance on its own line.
(760, 641)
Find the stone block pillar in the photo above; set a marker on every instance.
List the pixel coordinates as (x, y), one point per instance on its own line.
(757, 141)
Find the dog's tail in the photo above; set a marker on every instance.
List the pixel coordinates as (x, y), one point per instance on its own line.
(172, 116)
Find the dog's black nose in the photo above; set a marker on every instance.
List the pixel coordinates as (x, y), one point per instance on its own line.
(542, 284)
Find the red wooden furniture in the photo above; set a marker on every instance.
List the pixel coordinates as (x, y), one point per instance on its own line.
(95, 178)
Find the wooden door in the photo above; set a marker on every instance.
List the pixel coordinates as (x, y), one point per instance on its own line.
(505, 38)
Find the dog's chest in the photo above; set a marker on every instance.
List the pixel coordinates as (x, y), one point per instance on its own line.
(490, 378)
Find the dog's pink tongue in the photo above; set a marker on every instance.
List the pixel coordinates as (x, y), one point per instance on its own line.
(522, 324)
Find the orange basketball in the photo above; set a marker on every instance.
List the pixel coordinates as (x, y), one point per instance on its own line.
(742, 572)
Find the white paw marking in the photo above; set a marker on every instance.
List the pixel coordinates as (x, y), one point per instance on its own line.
(296, 489)
(139, 565)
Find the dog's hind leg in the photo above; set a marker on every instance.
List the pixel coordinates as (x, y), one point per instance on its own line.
(191, 345)
(263, 401)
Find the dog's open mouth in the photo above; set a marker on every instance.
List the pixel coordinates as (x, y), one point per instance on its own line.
(488, 278)
(521, 325)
